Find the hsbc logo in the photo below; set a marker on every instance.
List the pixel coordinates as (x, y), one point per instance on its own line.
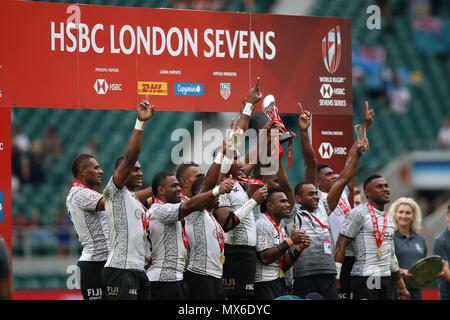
(326, 91)
(332, 49)
(326, 150)
(102, 87)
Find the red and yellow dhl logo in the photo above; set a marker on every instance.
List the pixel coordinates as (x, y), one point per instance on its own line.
(152, 88)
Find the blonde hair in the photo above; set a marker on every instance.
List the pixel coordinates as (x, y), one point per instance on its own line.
(417, 221)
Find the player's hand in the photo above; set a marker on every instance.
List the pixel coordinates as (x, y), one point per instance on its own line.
(368, 116)
(403, 294)
(253, 95)
(296, 235)
(304, 120)
(406, 274)
(260, 195)
(305, 242)
(226, 185)
(363, 146)
(145, 111)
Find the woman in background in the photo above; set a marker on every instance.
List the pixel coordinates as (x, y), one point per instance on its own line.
(410, 246)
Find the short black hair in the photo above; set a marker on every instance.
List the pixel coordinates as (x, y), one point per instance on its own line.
(299, 186)
(196, 185)
(321, 166)
(181, 169)
(270, 192)
(80, 161)
(370, 178)
(158, 179)
(118, 161)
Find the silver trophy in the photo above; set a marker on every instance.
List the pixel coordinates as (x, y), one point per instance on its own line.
(360, 130)
(271, 112)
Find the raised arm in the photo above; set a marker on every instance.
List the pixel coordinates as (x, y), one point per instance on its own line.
(349, 171)
(369, 116)
(284, 183)
(310, 160)
(124, 169)
(253, 97)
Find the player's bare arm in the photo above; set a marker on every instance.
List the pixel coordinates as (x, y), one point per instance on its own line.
(145, 112)
(310, 160)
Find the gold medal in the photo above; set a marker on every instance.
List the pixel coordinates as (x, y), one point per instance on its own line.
(222, 259)
(280, 273)
(379, 253)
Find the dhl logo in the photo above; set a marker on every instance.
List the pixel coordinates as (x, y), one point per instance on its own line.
(152, 88)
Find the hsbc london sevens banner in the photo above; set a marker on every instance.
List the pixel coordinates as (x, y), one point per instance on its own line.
(84, 56)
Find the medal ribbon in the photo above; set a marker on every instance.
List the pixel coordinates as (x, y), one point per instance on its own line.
(280, 236)
(221, 236)
(379, 239)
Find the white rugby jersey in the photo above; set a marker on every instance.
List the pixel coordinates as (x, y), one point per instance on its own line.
(245, 232)
(206, 241)
(167, 244)
(126, 231)
(267, 237)
(358, 226)
(337, 217)
(90, 225)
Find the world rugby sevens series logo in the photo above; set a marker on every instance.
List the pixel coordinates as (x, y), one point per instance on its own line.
(331, 49)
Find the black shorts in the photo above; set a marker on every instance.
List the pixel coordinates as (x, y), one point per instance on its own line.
(124, 284)
(371, 288)
(325, 285)
(239, 271)
(91, 283)
(345, 292)
(204, 287)
(176, 290)
(269, 290)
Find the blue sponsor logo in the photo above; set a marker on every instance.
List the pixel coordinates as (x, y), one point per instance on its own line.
(188, 89)
(1, 207)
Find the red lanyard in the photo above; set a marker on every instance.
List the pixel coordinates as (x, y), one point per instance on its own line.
(79, 184)
(280, 235)
(247, 180)
(342, 204)
(379, 239)
(183, 232)
(324, 226)
(183, 197)
(221, 236)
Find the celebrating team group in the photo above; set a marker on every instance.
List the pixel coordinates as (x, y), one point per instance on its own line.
(237, 232)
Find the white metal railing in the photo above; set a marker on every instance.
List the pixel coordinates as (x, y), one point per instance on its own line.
(32, 241)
